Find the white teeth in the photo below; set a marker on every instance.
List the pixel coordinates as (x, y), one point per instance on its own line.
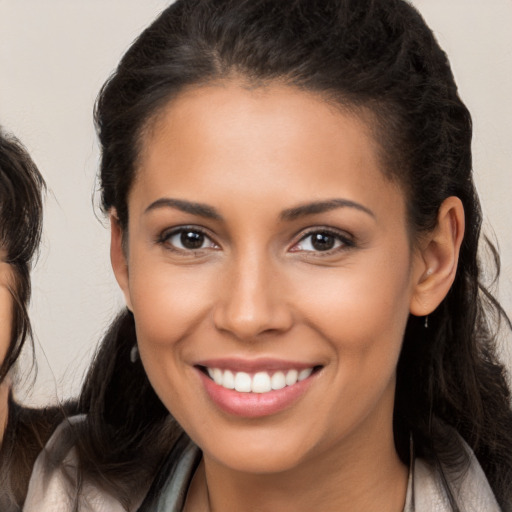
(228, 380)
(278, 380)
(260, 382)
(217, 376)
(291, 377)
(304, 374)
(242, 382)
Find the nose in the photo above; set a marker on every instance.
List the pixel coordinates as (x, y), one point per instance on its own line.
(252, 300)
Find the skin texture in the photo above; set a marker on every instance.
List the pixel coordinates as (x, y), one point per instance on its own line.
(258, 289)
(5, 337)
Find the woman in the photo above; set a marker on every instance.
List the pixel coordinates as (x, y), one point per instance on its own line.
(23, 431)
(295, 231)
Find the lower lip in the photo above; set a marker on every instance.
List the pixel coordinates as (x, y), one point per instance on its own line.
(254, 405)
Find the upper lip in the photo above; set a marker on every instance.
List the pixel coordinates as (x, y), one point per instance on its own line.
(254, 365)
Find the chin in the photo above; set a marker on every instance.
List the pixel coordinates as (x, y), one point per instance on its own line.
(258, 461)
(262, 451)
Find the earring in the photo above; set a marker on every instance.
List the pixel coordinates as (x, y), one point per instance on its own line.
(426, 322)
(134, 354)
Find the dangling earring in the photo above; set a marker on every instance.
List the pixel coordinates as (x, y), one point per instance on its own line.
(426, 322)
(134, 353)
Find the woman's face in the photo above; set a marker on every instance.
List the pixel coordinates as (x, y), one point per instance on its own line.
(266, 249)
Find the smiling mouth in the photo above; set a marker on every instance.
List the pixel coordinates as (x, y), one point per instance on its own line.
(259, 382)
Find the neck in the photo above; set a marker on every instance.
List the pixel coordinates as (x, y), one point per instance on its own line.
(4, 405)
(354, 477)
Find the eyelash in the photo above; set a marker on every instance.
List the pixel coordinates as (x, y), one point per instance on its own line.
(165, 237)
(344, 241)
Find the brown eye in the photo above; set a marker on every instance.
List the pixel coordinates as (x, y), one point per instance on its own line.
(322, 241)
(187, 239)
(191, 239)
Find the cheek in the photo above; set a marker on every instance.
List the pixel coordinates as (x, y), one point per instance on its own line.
(361, 312)
(359, 305)
(168, 306)
(167, 303)
(362, 317)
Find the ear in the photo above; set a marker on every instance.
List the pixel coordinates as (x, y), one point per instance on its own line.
(437, 258)
(118, 257)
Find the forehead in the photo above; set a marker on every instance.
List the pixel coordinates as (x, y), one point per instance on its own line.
(225, 113)
(271, 143)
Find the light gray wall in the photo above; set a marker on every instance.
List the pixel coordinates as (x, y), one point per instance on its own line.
(54, 57)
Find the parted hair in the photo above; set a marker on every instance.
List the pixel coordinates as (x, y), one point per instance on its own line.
(374, 57)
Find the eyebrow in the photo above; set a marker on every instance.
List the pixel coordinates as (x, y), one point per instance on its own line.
(200, 209)
(321, 207)
(209, 212)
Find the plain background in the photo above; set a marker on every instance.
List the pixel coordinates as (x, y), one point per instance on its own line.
(54, 57)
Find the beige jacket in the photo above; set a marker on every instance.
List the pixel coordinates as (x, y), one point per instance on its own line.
(51, 490)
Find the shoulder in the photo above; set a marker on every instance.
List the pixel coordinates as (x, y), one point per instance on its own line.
(469, 487)
(53, 484)
(27, 431)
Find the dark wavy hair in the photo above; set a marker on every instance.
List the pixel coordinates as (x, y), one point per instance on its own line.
(21, 213)
(378, 58)
(21, 189)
